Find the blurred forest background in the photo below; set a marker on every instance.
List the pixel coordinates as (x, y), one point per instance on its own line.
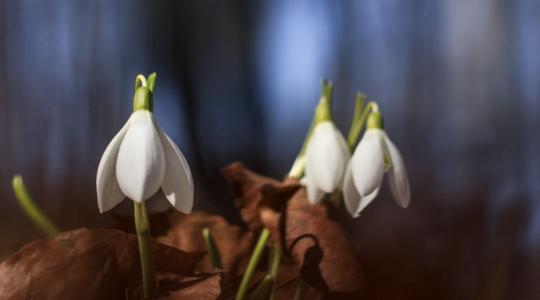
(458, 83)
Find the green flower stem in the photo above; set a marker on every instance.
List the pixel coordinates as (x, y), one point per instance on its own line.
(323, 112)
(31, 209)
(252, 264)
(142, 99)
(300, 291)
(274, 267)
(276, 260)
(142, 226)
(213, 251)
(264, 291)
(359, 104)
(359, 121)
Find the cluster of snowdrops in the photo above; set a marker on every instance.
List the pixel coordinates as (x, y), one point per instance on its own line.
(142, 159)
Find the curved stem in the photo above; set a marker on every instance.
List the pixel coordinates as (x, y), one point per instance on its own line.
(31, 209)
(142, 226)
(140, 81)
(252, 264)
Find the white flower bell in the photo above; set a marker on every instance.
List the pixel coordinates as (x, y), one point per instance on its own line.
(374, 155)
(140, 160)
(327, 154)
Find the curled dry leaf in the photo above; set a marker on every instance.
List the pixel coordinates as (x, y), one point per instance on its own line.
(253, 191)
(97, 264)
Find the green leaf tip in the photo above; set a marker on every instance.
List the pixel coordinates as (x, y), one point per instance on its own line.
(151, 81)
(212, 248)
(32, 211)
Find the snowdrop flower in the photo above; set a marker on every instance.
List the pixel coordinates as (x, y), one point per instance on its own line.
(374, 155)
(327, 154)
(141, 159)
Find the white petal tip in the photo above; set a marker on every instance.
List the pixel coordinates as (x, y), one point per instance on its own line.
(182, 202)
(314, 195)
(104, 205)
(404, 203)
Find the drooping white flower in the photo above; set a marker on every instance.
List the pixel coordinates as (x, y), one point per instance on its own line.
(139, 161)
(327, 155)
(374, 155)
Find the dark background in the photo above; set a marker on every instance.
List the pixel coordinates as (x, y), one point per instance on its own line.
(457, 81)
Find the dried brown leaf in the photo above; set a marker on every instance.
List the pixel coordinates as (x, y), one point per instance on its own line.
(93, 264)
(253, 191)
(316, 240)
(318, 243)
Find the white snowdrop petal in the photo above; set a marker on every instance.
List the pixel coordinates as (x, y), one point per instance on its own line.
(108, 192)
(178, 183)
(314, 194)
(327, 155)
(397, 175)
(368, 162)
(140, 165)
(350, 194)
